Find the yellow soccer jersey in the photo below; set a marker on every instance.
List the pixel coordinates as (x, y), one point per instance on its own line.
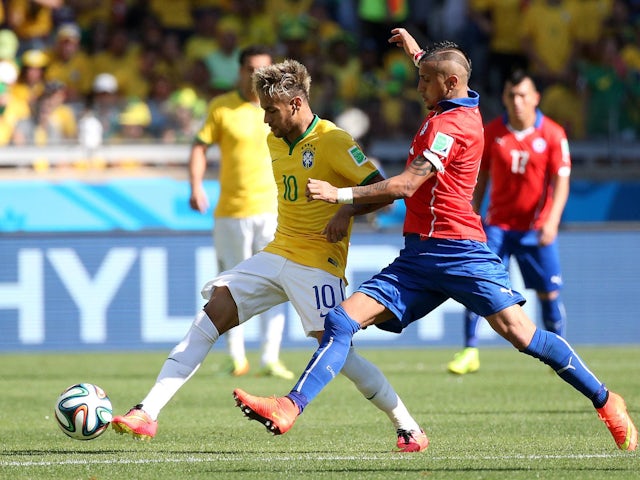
(246, 181)
(327, 153)
(76, 74)
(506, 16)
(549, 29)
(589, 18)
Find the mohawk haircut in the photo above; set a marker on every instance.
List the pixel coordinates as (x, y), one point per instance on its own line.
(448, 51)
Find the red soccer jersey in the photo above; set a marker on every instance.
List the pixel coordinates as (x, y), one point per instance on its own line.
(441, 207)
(521, 166)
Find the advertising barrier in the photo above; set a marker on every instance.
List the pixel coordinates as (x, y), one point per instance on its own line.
(126, 291)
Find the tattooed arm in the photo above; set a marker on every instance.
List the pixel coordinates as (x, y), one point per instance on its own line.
(402, 185)
(338, 226)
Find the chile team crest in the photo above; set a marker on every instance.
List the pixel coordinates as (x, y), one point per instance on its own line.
(308, 156)
(539, 145)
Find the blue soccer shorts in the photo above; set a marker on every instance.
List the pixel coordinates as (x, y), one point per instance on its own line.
(429, 271)
(539, 265)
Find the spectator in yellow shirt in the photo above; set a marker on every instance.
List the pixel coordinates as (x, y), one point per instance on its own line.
(32, 20)
(121, 58)
(501, 21)
(30, 84)
(547, 37)
(69, 64)
(12, 108)
(203, 40)
(174, 16)
(52, 121)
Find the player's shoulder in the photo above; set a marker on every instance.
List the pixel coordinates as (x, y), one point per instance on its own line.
(227, 99)
(328, 127)
(463, 118)
(496, 127)
(550, 125)
(328, 131)
(552, 131)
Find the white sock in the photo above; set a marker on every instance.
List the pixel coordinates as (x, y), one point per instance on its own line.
(371, 382)
(235, 342)
(272, 326)
(183, 361)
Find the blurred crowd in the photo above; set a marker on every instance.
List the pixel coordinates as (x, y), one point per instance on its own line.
(121, 71)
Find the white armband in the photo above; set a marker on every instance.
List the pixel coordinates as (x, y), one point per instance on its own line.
(417, 57)
(434, 160)
(345, 195)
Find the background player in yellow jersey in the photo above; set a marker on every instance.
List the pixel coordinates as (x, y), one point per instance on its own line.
(305, 263)
(246, 213)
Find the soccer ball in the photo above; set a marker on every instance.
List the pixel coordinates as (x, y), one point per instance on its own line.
(83, 411)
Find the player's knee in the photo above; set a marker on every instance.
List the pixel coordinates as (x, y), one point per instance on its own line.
(513, 325)
(222, 310)
(338, 322)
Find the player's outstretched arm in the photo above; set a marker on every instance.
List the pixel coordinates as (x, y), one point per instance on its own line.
(403, 39)
(403, 185)
(338, 226)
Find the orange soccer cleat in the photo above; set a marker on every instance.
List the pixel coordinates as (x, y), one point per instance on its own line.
(278, 414)
(615, 416)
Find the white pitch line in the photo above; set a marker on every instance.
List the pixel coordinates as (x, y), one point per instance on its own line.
(289, 458)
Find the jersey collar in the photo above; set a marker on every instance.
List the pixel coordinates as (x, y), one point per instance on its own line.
(314, 122)
(536, 123)
(473, 100)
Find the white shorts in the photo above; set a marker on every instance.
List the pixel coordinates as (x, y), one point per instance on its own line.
(266, 280)
(236, 239)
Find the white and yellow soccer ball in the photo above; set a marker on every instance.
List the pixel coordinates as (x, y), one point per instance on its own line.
(83, 411)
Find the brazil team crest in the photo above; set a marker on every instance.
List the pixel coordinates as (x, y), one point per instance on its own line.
(308, 156)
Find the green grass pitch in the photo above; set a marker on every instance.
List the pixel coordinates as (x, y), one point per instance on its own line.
(514, 419)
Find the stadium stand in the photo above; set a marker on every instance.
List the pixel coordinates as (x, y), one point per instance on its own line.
(591, 84)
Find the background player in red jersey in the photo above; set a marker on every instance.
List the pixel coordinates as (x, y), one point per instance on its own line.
(445, 254)
(526, 163)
